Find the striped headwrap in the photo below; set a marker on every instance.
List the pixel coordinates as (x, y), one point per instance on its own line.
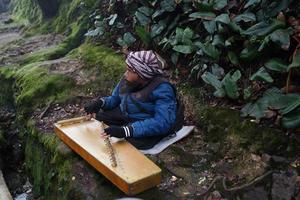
(146, 64)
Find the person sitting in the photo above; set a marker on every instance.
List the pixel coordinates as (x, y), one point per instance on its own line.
(142, 108)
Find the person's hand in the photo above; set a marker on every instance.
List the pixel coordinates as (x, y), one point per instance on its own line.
(94, 106)
(119, 131)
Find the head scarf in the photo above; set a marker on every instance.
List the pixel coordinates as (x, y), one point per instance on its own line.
(147, 64)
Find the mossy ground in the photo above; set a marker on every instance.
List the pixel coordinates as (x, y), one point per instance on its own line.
(35, 86)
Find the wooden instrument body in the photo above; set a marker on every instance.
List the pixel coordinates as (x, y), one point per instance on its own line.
(134, 172)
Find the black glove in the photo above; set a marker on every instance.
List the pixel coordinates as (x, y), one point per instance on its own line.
(119, 131)
(94, 106)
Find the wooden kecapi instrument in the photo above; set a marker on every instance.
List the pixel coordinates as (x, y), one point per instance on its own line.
(74, 120)
(111, 152)
(120, 162)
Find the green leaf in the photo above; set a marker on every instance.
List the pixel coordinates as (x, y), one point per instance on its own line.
(179, 34)
(203, 15)
(143, 34)
(210, 79)
(128, 39)
(146, 11)
(157, 13)
(217, 71)
(276, 64)
(188, 33)
(233, 58)
(121, 42)
(236, 75)
(281, 37)
(263, 28)
(185, 49)
(218, 40)
(143, 19)
(209, 50)
(251, 3)
(246, 17)
(259, 108)
(247, 93)
(112, 19)
(230, 84)
(174, 57)
(291, 120)
(97, 32)
(296, 61)
(262, 75)
(156, 29)
(250, 53)
(210, 26)
(220, 4)
(292, 101)
(223, 18)
(203, 6)
(168, 5)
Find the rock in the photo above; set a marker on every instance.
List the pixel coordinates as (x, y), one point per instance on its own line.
(258, 193)
(279, 160)
(215, 195)
(266, 158)
(8, 21)
(283, 186)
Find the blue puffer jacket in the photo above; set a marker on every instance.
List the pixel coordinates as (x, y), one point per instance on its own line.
(160, 107)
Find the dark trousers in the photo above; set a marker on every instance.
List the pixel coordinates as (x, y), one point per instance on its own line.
(115, 117)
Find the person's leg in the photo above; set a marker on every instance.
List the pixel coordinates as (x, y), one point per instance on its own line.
(145, 142)
(112, 117)
(115, 117)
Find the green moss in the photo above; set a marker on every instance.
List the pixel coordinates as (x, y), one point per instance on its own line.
(26, 11)
(6, 91)
(50, 176)
(226, 126)
(72, 41)
(37, 87)
(109, 65)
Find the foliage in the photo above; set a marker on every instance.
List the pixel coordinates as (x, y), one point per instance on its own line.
(255, 42)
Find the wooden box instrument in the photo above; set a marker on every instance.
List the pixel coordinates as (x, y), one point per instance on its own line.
(120, 162)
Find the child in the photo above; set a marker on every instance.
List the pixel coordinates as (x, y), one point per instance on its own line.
(142, 107)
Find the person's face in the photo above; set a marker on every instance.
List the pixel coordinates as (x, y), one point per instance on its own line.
(132, 76)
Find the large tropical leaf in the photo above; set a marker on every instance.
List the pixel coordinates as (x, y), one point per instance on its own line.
(281, 37)
(220, 4)
(203, 6)
(209, 50)
(259, 108)
(156, 29)
(251, 3)
(142, 18)
(203, 15)
(223, 18)
(246, 17)
(291, 120)
(262, 75)
(145, 10)
(264, 28)
(168, 5)
(210, 79)
(276, 64)
(210, 26)
(185, 49)
(230, 84)
(290, 101)
(250, 53)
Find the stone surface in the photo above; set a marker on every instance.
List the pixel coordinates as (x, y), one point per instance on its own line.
(283, 186)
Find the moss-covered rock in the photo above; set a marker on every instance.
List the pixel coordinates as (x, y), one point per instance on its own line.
(26, 11)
